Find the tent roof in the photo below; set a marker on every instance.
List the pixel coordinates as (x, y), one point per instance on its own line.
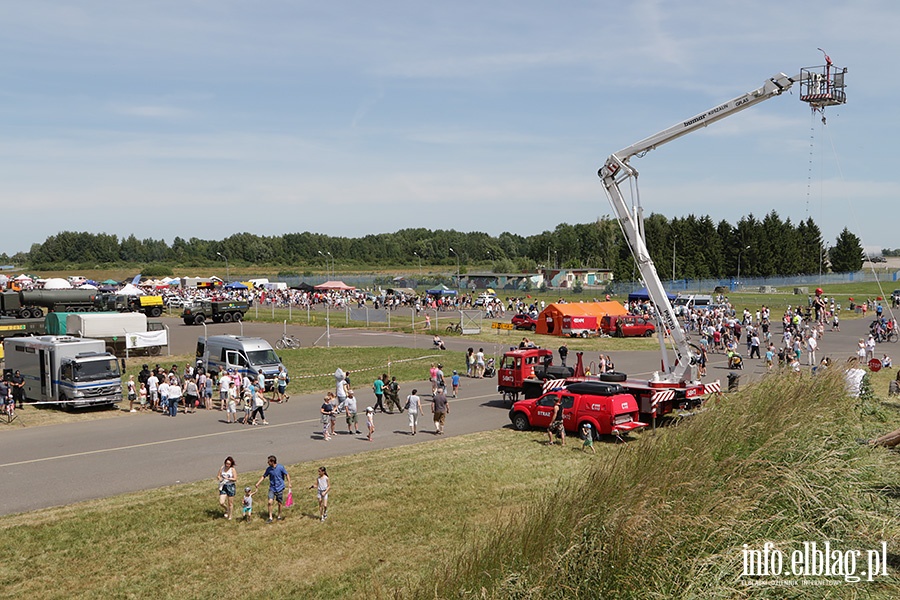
(597, 309)
(334, 285)
(235, 285)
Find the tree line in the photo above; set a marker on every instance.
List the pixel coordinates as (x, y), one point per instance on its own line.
(684, 247)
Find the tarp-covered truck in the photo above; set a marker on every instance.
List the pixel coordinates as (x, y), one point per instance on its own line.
(122, 332)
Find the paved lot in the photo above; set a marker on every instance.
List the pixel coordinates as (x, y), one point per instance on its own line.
(60, 464)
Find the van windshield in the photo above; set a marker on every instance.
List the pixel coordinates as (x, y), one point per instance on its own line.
(263, 357)
(96, 369)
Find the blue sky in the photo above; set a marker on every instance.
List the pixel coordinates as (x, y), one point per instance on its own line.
(207, 118)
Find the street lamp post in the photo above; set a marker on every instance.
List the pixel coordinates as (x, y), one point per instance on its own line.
(332, 264)
(673, 259)
(416, 254)
(457, 267)
(739, 263)
(227, 274)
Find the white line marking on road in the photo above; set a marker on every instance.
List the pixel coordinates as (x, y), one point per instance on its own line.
(185, 439)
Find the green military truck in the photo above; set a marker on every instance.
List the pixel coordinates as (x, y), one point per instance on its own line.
(220, 311)
(152, 306)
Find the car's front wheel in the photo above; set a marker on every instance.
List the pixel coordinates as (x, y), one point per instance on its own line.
(520, 422)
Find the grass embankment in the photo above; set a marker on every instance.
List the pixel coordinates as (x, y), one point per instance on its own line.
(668, 517)
(500, 515)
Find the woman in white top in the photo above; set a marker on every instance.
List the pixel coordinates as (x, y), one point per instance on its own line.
(413, 408)
(226, 477)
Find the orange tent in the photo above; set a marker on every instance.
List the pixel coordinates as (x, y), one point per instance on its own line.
(550, 321)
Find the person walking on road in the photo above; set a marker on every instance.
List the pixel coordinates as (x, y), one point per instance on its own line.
(370, 421)
(563, 353)
(278, 480)
(327, 411)
(227, 476)
(413, 407)
(378, 389)
(441, 408)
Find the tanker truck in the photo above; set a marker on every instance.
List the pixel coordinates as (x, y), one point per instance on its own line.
(27, 304)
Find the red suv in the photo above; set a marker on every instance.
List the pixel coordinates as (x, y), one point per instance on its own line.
(523, 321)
(627, 326)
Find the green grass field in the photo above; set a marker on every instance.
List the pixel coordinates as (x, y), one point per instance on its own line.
(501, 515)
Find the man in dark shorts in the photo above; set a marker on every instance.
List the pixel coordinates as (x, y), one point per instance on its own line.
(441, 408)
(556, 424)
(278, 476)
(17, 383)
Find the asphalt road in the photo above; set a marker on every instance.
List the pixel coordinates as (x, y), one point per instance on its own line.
(61, 464)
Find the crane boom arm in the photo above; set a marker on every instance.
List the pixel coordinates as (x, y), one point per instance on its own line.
(616, 170)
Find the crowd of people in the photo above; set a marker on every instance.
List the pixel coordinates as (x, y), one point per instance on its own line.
(386, 391)
(168, 391)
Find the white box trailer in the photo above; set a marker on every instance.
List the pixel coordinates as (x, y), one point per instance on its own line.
(61, 369)
(129, 330)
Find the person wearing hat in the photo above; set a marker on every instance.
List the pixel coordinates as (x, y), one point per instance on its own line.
(370, 421)
(587, 433)
(441, 408)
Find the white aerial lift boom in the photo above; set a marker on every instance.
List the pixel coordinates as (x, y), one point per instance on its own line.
(819, 86)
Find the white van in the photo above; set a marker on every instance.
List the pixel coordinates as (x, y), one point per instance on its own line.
(684, 304)
(245, 355)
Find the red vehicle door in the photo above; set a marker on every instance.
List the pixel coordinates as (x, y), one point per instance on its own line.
(543, 412)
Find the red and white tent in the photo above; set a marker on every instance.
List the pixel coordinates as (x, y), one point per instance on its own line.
(334, 285)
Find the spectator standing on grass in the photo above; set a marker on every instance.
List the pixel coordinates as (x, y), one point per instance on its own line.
(153, 390)
(870, 347)
(322, 487)
(132, 394)
(227, 476)
(142, 398)
(278, 480)
(556, 424)
(441, 408)
(413, 407)
(17, 385)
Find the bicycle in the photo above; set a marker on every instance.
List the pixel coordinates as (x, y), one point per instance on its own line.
(287, 341)
(454, 328)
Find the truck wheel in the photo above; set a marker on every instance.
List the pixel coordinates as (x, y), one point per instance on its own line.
(188, 321)
(237, 317)
(111, 350)
(613, 376)
(156, 311)
(226, 317)
(199, 319)
(520, 422)
(153, 350)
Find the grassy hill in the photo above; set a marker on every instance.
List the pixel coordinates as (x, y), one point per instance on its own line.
(501, 515)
